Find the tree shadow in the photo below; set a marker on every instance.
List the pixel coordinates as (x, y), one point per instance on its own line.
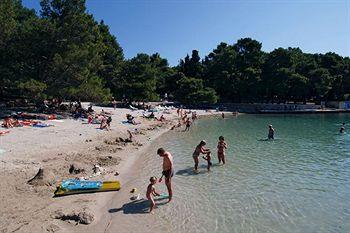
(138, 207)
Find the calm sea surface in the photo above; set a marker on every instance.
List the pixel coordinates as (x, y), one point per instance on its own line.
(297, 183)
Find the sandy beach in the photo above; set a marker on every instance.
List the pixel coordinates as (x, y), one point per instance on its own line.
(32, 208)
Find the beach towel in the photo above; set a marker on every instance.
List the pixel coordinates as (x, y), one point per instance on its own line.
(55, 120)
(41, 125)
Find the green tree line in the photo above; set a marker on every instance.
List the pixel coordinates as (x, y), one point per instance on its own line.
(63, 52)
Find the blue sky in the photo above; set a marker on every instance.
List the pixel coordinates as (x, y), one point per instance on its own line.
(174, 28)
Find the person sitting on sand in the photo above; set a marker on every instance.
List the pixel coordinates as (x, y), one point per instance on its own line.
(90, 118)
(8, 123)
(109, 120)
(104, 124)
(16, 123)
(161, 118)
(90, 110)
(222, 146)
(130, 118)
(271, 134)
(200, 149)
(151, 191)
(168, 170)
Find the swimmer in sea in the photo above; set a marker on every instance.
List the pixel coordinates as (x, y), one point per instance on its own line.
(201, 150)
(271, 134)
(342, 130)
(222, 146)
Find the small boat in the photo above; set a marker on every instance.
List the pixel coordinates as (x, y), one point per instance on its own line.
(72, 186)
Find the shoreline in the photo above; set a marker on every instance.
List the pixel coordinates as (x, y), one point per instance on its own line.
(31, 208)
(123, 222)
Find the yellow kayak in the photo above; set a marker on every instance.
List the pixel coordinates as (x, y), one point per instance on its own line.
(68, 187)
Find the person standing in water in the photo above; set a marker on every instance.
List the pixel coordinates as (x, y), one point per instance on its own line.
(342, 130)
(188, 124)
(222, 146)
(201, 150)
(271, 134)
(223, 115)
(168, 170)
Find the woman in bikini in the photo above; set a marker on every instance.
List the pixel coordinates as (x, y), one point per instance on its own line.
(201, 150)
(222, 146)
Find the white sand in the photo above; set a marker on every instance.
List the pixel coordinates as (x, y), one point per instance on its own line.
(27, 208)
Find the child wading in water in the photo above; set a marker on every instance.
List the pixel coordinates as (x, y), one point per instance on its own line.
(222, 146)
(151, 191)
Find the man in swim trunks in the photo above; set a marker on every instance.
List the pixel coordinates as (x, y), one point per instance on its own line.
(168, 170)
(271, 134)
(200, 149)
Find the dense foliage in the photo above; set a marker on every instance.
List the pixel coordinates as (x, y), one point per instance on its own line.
(64, 53)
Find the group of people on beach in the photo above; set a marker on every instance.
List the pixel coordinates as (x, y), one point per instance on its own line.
(168, 167)
(185, 119)
(200, 149)
(168, 173)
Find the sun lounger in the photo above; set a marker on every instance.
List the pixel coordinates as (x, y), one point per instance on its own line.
(133, 108)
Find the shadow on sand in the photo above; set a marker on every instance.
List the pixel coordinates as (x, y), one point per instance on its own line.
(138, 206)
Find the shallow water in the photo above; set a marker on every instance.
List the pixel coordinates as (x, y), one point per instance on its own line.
(297, 183)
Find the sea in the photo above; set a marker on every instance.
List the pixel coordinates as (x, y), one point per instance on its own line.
(299, 182)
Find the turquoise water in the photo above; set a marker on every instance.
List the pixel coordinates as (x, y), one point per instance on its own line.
(298, 183)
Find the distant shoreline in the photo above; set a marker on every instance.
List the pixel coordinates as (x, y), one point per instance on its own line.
(322, 111)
